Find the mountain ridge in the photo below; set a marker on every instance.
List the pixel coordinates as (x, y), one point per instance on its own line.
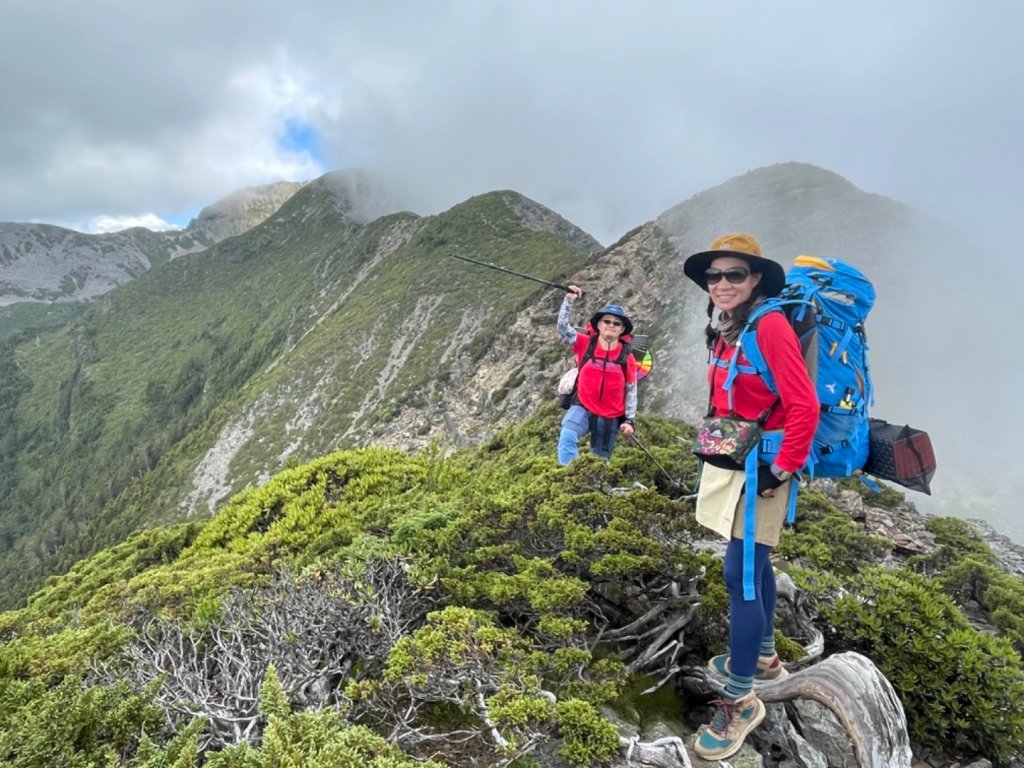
(191, 419)
(46, 263)
(246, 332)
(320, 329)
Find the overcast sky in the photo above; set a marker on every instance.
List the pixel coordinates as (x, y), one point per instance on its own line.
(610, 112)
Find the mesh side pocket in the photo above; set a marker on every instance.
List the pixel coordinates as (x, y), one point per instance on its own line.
(901, 454)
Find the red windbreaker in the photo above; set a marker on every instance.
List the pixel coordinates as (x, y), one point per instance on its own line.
(601, 387)
(797, 414)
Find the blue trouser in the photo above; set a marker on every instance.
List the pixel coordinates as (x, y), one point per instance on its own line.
(577, 422)
(749, 620)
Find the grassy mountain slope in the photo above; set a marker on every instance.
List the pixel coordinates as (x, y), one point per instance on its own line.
(317, 331)
(26, 317)
(349, 592)
(108, 418)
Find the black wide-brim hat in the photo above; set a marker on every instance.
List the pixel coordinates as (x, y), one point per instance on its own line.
(742, 246)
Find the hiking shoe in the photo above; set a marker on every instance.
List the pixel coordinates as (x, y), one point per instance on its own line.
(732, 721)
(767, 668)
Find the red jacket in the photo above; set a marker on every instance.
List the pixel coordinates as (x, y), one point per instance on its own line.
(797, 414)
(601, 387)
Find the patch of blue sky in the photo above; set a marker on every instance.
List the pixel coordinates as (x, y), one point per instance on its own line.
(178, 220)
(299, 137)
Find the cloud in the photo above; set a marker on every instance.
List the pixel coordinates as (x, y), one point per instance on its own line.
(608, 112)
(100, 224)
(117, 113)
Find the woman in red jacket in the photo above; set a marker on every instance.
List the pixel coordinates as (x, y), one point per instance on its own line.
(605, 401)
(738, 279)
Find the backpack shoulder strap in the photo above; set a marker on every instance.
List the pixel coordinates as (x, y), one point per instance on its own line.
(804, 324)
(747, 343)
(623, 360)
(588, 353)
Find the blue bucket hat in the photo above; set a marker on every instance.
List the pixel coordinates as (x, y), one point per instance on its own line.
(617, 311)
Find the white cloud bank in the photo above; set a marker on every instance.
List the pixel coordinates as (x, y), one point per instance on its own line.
(608, 112)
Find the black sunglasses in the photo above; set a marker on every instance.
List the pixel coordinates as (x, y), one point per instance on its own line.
(734, 275)
(611, 322)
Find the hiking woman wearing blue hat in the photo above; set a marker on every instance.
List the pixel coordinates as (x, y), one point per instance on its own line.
(749, 508)
(605, 400)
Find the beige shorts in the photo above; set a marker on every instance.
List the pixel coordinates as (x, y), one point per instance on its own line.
(720, 503)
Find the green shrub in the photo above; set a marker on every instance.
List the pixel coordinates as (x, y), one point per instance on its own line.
(1000, 594)
(825, 538)
(316, 740)
(955, 540)
(76, 725)
(965, 566)
(535, 566)
(587, 737)
(961, 688)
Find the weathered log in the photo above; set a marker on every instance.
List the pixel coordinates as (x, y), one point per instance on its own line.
(863, 700)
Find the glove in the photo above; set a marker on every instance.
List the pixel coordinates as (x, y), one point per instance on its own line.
(766, 479)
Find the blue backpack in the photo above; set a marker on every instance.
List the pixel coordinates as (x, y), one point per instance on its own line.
(827, 301)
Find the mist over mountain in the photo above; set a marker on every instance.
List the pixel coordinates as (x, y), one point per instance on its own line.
(241, 210)
(340, 320)
(931, 333)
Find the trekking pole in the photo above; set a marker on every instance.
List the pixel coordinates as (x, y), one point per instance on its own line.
(513, 272)
(657, 463)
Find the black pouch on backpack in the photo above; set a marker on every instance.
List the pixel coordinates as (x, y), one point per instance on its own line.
(900, 453)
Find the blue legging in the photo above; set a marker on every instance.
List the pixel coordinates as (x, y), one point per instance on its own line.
(749, 620)
(577, 422)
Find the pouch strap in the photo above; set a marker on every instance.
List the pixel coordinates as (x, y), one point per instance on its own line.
(771, 442)
(749, 523)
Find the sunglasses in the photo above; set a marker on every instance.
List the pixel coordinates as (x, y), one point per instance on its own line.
(734, 275)
(606, 321)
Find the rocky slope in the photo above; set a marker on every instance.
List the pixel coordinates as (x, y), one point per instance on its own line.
(925, 356)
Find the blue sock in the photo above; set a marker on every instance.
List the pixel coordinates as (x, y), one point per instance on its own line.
(738, 686)
(768, 645)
